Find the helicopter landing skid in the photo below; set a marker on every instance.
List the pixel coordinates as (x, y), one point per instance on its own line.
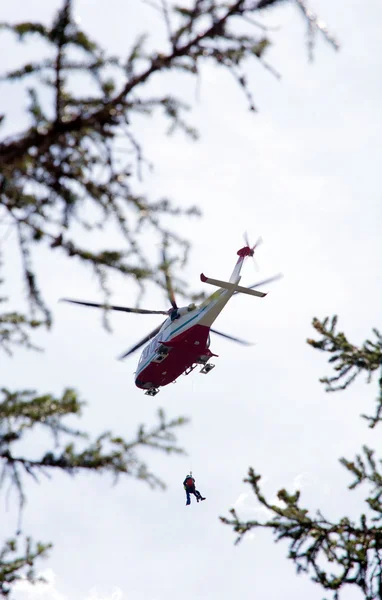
(207, 368)
(152, 392)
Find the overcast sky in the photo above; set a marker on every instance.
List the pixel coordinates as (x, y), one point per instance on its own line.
(304, 174)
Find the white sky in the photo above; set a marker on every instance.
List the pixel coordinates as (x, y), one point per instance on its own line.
(303, 174)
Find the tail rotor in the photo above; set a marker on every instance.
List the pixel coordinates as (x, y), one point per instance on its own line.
(250, 252)
(253, 248)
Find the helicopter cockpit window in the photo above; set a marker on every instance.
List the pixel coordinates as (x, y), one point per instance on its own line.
(144, 353)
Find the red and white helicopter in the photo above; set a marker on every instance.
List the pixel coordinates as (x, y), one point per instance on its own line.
(182, 342)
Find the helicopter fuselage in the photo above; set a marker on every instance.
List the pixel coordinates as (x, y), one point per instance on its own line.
(182, 343)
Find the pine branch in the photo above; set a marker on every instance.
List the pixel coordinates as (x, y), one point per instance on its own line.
(16, 565)
(349, 360)
(366, 470)
(335, 554)
(21, 412)
(24, 412)
(342, 553)
(13, 331)
(15, 328)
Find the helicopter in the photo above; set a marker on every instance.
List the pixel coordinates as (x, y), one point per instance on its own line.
(182, 342)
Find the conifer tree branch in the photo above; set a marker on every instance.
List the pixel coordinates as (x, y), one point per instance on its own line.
(21, 412)
(342, 553)
(336, 554)
(16, 565)
(349, 360)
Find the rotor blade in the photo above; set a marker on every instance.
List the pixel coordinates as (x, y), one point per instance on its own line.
(256, 266)
(264, 282)
(259, 241)
(137, 346)
(233, 339)
(170, 291)
(140, 311)
(246, 239)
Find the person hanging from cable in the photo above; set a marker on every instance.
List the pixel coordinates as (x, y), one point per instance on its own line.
(189, 486)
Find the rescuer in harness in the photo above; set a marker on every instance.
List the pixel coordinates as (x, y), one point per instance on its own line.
(189, 486)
